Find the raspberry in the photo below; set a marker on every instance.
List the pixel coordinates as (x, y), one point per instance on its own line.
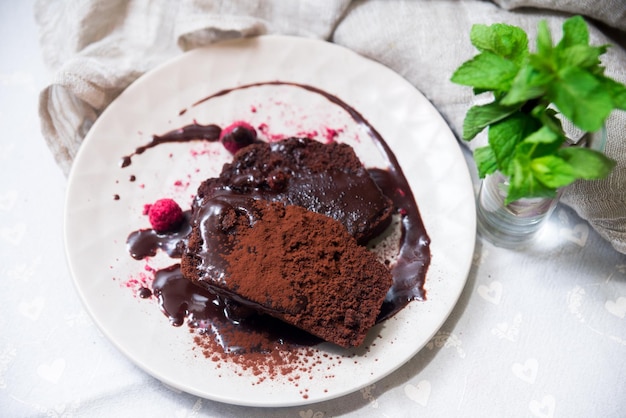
(237, 136)
(165, 215)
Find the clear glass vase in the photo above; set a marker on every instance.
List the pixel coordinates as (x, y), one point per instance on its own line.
(512, 225)
(517, 224)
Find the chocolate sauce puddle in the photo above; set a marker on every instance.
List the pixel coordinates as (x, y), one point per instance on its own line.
(145, 242)
(179, 298)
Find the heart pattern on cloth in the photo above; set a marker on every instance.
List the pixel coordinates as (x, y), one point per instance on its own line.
(14, 234)
(310, 414)
(24, 271)
(7, 200)
(63, 409)
(419, 393)
(504, 330)
(53, 371)
(446, 339)
(368, 396)
(575, 300)
(491, 293)
(617, 307)
(543, 409)
(32, 309)
(578, 235)
(526, 371)
(184, 413)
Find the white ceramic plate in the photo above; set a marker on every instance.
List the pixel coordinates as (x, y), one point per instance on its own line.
(97, 224)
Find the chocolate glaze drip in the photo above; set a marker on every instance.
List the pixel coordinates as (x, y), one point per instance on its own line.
(408, 272)
(209, 213)
(297, 171)
(180, 299)
(187, 133)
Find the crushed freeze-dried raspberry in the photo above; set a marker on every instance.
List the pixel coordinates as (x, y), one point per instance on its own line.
(165, 215)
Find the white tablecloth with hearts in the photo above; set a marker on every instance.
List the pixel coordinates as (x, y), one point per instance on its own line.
(538, 333)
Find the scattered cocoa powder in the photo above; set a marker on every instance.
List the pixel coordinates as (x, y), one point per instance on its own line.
(274, 360)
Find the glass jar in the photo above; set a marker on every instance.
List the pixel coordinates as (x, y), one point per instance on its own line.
(517, 224)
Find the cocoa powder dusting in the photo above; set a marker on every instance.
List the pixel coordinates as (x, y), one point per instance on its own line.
(282, 255)
(306, 269)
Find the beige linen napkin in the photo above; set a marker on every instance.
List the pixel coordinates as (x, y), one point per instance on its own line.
(96, 49)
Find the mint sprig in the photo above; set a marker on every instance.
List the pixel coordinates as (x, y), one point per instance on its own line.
(529, 89)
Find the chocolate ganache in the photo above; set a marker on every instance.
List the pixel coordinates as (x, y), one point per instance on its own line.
(408, 271)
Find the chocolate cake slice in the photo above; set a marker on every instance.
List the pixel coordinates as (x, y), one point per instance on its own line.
(280, 231)
(288, 262)
(324, 178)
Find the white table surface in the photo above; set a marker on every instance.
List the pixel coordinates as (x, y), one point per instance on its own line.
(537, 333)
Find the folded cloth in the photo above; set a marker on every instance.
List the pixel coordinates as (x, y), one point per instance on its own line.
(611, 12)
(96, 49)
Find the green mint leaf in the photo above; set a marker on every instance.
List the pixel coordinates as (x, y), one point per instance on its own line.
(575, 32)
(486, 71)
(485, 161)
(616, 90)
(542, 64)
(528, 84)
(544, 135)
(538, 144)
(504, 136)
(523, 183)
(579, 96)
(586, 163)
(479, 117)
(569, 165)
(507, 41)
(553, 171)
(583, 56)
(544, 41)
